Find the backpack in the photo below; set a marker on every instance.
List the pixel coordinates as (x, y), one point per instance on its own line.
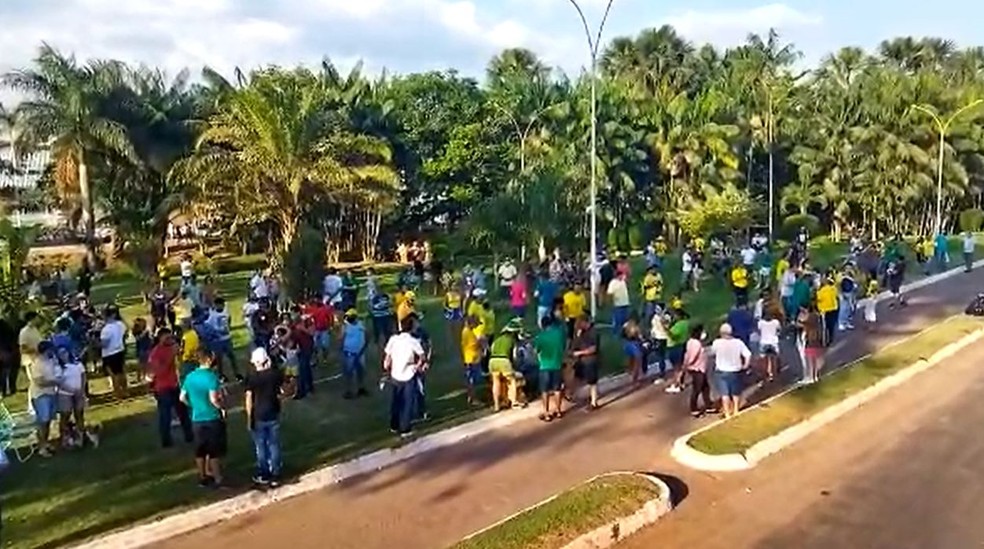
(976, 306)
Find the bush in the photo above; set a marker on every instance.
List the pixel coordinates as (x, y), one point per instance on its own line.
(971, 219)
(304, 264)
(637, 239)
(792, 224)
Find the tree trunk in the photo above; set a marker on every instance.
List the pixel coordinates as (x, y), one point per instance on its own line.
(288, 231)
(88, 215)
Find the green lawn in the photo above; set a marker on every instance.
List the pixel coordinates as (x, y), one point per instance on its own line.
(129, 479)
(570, 514)
(761, 422)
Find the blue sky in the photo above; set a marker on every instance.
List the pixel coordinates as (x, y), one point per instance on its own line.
(415, 35)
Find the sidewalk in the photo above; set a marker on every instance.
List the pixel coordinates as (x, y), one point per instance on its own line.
(437, 498)
(903, 473)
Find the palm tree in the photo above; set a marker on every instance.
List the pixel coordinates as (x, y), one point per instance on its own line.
(64, 112)
(803, 194)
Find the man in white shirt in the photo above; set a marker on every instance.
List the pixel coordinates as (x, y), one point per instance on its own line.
(332, 288)
(187, 268)
(113, 341)
(618, 290)
(748, 256)
(507, 274)
(687, 265)
(258, 286)
(403, 354)
(731, 357)
(969, 245)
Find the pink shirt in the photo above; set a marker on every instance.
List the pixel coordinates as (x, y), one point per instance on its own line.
(517, 293)
(694, 357)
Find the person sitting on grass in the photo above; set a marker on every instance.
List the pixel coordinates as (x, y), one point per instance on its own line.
(203, 394)
(354, 342)
(265, 388)
(162, 374)
(550, 345)
(471, 357)
(503, 357)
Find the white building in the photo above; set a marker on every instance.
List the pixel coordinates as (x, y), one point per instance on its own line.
(28, 168)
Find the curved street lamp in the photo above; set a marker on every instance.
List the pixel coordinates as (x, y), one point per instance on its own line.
(593, 45)
(942, 126)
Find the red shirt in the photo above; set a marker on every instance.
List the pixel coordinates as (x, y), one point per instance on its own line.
(321, 314)
(162, 369)
(301, 336)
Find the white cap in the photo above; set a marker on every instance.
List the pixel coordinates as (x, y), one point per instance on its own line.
(259, 357)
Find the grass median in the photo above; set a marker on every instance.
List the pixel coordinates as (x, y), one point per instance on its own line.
(572, 513)
(765, 420)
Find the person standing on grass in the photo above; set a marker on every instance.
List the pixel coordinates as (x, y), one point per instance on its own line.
(323, 318)
(418, 331)
(331, 288)
(679, 333)
(550, 345)
(471, 357)
(688, 280)
(302, 334)
(190, 345)
(402, 357)
(585, 348)
(43, 379)
(517, 296)
(739, 283)
(203, 394)
(354, 343)
(383, 319)
(507, 274)
(659, 336)
(827, 303)
(695, 366)
(969, 245)
(632, 348)
(768, 329)
(731, 358)
(162, 375)
(546, 292)
(652, 294)
(221, 323)
(618, 291)
(112, 339)
(262, 401)
(71, 399)
(574, 305)
(811, 325)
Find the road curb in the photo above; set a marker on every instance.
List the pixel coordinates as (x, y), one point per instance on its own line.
(689, 456)
(616, 530)
(196, 518)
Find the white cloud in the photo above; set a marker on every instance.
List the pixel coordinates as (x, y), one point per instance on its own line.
(727, 26)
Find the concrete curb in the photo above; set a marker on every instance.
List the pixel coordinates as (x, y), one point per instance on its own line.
(616, 530)
(695, 459)
(200, 517)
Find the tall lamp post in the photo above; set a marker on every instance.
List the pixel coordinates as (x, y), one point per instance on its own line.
(942, 126)
(593, 45)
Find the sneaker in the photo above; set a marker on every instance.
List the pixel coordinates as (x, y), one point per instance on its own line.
(272, 482)
(659, 381)
(408, 434)
(206, 482)
(260, 480)
(673, 389)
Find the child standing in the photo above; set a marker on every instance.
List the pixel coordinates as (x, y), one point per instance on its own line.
(870, 305)
(142, 341)
(471, 357)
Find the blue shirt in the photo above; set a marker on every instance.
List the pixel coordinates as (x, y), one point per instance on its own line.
(380, 307)
(62, 339)
(742, 324)
(940, 244)
(197, 385)
(546, 293)
(353, 337)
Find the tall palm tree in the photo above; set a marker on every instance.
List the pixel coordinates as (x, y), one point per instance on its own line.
(65, 112)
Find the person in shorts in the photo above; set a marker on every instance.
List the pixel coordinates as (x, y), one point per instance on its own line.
(585, 348)
(42, 392)
(471, 357)
(550, 345)
(202, 392)
(71, 399)
(731, 358)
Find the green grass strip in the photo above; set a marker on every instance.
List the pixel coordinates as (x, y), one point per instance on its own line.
(765, 420)
(572, 513)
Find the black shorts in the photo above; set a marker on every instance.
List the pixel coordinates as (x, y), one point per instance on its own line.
(114, 364)
(210, 439)
(586, 371)
(571, 324)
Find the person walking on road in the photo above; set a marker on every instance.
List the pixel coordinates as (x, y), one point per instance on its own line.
(695, 364)
(969, 245)
(731, 358)
(550, 345)
(813, 348)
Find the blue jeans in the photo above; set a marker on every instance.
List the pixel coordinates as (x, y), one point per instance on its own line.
(401, 405)
(353, 368)
(619, 317)
(419, 396)
(223, 351)
(266, 442)
(648, 312)
(305, 372)
(169, 405)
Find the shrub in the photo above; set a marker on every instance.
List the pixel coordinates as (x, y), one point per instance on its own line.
(971, 219)
(636, 236)
(792, 224)
(304, 264)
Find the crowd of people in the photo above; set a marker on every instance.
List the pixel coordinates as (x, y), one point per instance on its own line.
(185, 351)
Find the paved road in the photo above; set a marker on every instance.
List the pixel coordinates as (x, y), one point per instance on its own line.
(905, 471)
(437, 498)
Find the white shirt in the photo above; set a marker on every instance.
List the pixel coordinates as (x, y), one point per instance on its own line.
(730, 354)
(249, 308)
(968, 244)
(186, 268)
(404, 350)
(71, 380)
(769, 332)
(748, 256)
(507, 273)
(333, 289)
(688, 262)
(258, 286)
(619, 292)
(112, 336)
(658, 328)
(788, 281)
(759, 309)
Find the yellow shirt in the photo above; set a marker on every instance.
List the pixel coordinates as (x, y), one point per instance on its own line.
(574, 304)
(471, 352)
(739, 277)
(661, 248)
(827, 298)
(488, 322)
(476, 310)
(403, 310)
(781, 267)
(398, 299)
(652, 286)
(452, 300)
(189, 345)
(872, 288)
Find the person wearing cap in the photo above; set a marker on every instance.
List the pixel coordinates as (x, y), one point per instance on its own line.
(354, 342)
(162, 374)
(264, 392)
(112, 339)
(731, 358)
(502, 356)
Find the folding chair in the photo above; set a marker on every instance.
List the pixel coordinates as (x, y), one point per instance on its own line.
(17, 434)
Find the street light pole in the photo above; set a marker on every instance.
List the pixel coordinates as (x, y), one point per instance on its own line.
(593, 45)
(942, 127)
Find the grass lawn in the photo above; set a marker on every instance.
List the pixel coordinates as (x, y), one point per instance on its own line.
(128, 479)
(761, 422)
(570, 514)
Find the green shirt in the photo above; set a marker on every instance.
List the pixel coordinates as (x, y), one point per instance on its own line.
(197, 385)
(679, 333)
(801, 293)
(502, 346)
(550, 346)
